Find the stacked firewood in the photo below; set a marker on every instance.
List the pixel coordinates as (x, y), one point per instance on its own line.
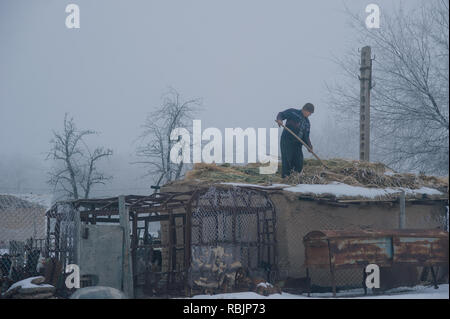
(30, 288)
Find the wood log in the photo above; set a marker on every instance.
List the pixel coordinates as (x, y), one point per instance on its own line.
(36, 290)
(11, 292)
(34, 296)
(39, 280)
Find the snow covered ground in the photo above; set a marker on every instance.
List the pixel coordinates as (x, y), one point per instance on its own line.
(417, 292)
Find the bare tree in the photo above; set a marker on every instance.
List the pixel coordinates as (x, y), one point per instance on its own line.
(410, 97)
(75, 169)
(156, 142)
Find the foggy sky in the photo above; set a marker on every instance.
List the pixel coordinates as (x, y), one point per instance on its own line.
(247, 60)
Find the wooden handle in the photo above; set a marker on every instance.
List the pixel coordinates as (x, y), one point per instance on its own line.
(301, 141)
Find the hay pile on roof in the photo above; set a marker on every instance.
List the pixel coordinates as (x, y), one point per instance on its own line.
(355, 173)
(227, 173)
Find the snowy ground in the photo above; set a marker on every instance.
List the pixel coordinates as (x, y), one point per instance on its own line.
(418, 292)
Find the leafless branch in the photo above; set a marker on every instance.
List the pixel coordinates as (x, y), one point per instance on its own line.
(173, 113)
(76, 165)
(409, 105)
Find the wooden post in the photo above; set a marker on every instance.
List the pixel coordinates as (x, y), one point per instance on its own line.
(402, 216)
(364, 281)
(366, 83)
(127, 275)
(435, 283)
(134, 245)
(57, 238)
(332, 269)
(77, 239)
(187, 248)
(47, 240)
(308, 281)
(146, 231)
(173, 247)
(333, 280)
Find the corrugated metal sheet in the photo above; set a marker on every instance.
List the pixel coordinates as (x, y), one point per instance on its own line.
(346, 249)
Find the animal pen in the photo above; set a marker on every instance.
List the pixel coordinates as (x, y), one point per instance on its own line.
(233, 234)
(97, 240)
(297, 211)
(210, 234)
(179, 243)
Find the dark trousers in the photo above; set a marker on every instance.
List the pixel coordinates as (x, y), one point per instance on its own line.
(291, 155)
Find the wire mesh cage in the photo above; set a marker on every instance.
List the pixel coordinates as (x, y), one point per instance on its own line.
(233, 229)
(61, 233)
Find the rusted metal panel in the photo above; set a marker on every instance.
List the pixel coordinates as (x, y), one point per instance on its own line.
(346, 249)
(349, 252)
(317, 253)
(421, 251)
(330, 234)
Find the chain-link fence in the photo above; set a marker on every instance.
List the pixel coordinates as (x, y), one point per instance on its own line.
(233, 229)
(296, 221)
(22, 238)
(32, 242)
(299, 217)
(61, 237)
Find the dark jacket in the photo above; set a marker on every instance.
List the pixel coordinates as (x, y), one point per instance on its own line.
(298, 123)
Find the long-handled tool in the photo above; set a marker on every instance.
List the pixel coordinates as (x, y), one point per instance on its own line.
(301, 141)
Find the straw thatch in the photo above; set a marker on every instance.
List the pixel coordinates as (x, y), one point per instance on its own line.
(350, 172)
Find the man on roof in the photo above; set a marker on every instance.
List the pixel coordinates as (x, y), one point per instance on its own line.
(291, 149)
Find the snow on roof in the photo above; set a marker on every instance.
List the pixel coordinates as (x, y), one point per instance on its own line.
(258, 186)
(344, 190)
(341, 190)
